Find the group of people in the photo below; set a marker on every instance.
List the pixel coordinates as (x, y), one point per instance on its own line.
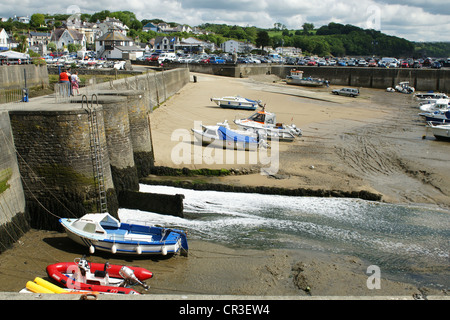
(71, 79)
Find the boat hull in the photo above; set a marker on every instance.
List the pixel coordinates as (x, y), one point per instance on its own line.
(132, 244)
(220, 143)
(306, 83)
(236, 103)
(441, 132)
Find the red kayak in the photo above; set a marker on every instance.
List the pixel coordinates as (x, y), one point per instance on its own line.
(100, 277)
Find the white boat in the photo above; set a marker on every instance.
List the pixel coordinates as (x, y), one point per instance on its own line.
(404, 87)
(237, 102)
(433, 96)
(222, 136)
(440, 131)
(439, 105)
(101, 231)
(296, 77)
(266, 122)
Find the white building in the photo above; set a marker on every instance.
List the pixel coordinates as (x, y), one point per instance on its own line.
(234, 46)
(63, 37)
(3, 40)
(113, 45)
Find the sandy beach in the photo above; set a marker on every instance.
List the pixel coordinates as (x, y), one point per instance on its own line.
(375, 142)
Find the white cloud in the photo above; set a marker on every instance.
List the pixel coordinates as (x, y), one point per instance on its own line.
(412, 19)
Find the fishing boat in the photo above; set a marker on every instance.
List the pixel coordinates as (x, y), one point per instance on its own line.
(439, 105)
(82, 275)
(266, 122)
(296, 77)
(237, 102)
(222, 136)
(440, 130)
(436, 116)
(101, 231)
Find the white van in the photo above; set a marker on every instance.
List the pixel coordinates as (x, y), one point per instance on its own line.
(167, 56)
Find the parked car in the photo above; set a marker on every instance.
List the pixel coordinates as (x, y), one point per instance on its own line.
(214, 59)
(436, 65)
(167, 56)
(404, 64)
(417, 64)
(362, 63)
(350, 92)
(311, 63)
(154, 57)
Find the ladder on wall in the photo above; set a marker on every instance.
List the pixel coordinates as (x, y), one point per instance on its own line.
(96, 150)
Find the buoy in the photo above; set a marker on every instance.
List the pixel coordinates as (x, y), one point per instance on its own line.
(91, 249)
(34, 287)
(138, 249)
(164, 250)
(49, 286)
(113, 248)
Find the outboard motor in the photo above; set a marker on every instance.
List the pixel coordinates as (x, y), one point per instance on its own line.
(83, 264)
(129, 278)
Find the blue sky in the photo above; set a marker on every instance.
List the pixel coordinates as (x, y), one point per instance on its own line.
(414, 20)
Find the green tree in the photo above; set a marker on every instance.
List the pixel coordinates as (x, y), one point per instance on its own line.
(263, 39)
(307, 28)
(37, 19)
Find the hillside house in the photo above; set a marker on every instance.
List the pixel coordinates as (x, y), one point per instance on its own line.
(113, 45)
(3, 40)
(63, 37)
(166, 43)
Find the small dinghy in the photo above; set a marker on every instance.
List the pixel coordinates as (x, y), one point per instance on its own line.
(101, 231)
(82, 275)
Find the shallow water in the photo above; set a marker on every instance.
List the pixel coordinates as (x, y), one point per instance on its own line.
(410, 243)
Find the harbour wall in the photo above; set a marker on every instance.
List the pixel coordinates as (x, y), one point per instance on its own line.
(14, 76)
(54, 139)
(368, 77)
(13, 216)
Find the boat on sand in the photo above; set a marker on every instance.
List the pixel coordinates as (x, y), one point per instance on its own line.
(101, 231)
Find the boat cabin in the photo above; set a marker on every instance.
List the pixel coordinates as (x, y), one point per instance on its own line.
(263, 117)
(297, 74)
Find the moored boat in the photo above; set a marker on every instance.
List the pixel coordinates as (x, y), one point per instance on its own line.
(438, 105)
(99, 277)
(296, 77)
(222, 136)
(436, 116)
(441, 131)
(237, 102)
(101, 231)
(266, 122)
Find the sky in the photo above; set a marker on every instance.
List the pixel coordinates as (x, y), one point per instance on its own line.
(414, 20)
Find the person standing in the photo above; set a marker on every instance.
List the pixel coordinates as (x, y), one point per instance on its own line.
(64, 78)
(75, 81)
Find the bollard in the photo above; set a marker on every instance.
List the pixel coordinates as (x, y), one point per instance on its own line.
(195, 79)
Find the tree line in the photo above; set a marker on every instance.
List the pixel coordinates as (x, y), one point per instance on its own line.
(333, 39)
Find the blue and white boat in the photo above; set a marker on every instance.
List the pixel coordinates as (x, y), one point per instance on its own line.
(237, 102)
(436, 116)
(103, 232)
(222, 136)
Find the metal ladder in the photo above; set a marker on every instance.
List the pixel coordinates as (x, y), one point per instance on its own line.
(96, 150)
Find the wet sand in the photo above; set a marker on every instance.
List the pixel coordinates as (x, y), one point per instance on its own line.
(374, 143)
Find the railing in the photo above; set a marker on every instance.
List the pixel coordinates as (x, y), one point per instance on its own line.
(8, 96)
